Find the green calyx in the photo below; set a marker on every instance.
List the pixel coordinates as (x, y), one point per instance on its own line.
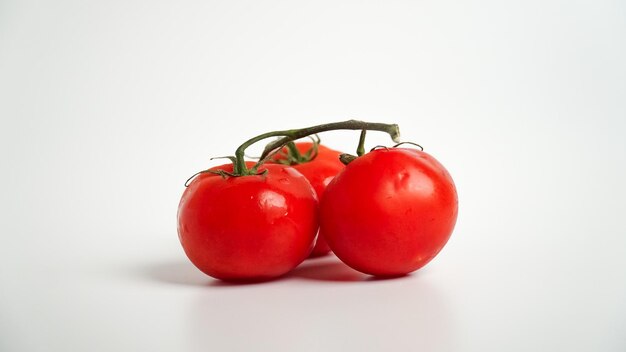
(291, 155)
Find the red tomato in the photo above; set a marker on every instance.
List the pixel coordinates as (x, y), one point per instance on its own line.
(249, 227)
(319, 171)
(389, 212)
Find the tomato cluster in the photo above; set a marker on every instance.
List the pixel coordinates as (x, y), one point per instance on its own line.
(385, 213)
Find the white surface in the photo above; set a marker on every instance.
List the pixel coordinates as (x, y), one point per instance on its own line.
(107, 107)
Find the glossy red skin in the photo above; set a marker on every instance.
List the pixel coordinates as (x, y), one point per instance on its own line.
(389, 212)
(319, 171)
(250, 227)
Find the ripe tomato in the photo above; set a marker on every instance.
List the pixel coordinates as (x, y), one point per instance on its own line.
(249, 227)
(319, 171)
(389, 212)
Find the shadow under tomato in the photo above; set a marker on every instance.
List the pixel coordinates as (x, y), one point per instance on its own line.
(330, 268)
(327, 271)
(327, 268)
(175, 273)
(186, 274)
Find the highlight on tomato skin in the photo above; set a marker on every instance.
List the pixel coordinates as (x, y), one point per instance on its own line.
(390, 211)
(319, 170)
(248, 228)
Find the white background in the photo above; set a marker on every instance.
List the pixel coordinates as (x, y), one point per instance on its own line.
(107, 107)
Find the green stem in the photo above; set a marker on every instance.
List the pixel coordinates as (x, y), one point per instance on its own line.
(293, 152)
(360, 150)
(291, 135)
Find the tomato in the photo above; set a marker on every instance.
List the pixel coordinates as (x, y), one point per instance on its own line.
(389, 212)
(253, 227)
(319, 171)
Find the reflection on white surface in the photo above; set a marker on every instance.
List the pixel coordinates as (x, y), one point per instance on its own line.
(324, 305)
